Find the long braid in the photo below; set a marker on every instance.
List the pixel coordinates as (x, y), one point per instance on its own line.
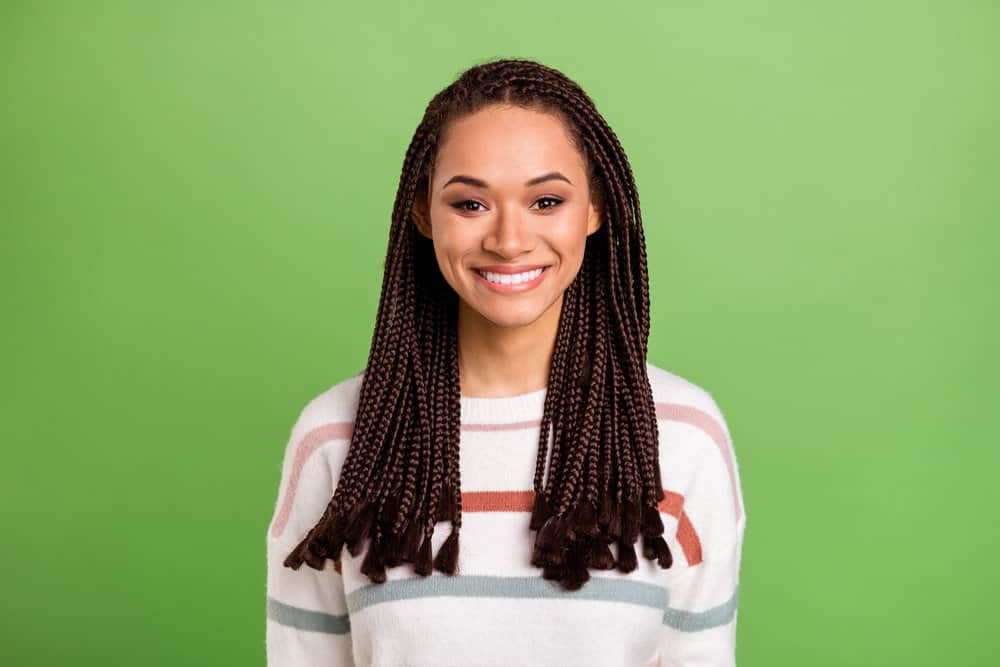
(597, 475)
(544, 459)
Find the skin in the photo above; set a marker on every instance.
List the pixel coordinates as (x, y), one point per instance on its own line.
(506, 341)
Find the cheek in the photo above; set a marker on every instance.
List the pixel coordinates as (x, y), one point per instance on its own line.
(570, 241)
(449, 249)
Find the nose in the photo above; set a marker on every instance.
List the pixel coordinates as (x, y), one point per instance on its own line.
(509, 235)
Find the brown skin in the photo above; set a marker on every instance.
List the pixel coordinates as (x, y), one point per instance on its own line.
(505, 341)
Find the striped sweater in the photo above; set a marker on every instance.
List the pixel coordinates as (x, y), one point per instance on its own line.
(497, 609)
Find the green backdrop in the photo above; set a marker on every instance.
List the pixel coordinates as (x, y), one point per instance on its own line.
(195, 205)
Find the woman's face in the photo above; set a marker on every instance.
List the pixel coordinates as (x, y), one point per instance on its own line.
(509, 211)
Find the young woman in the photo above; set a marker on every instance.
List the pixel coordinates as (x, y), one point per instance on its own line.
(507, 393)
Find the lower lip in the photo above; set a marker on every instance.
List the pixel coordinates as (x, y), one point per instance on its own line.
(511, 288)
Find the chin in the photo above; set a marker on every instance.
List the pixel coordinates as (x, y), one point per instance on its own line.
(509, 318)
(513, 322)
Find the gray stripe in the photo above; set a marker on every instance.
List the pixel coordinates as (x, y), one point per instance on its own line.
(306, 619)
(693, 621)
(598, 588)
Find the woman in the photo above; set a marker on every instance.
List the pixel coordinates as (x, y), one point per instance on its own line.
(507, 380)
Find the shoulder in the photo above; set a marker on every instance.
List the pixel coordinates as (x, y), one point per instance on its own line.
(327, 416)
(313, 457)
(337, 403)
(697, 456)
(672, 391)
(680, 400)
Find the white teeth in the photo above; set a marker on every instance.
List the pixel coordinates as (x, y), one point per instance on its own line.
(510, 278)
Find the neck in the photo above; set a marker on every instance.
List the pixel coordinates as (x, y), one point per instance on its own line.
(496, 361)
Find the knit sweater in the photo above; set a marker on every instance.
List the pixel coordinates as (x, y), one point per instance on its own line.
(498, 609)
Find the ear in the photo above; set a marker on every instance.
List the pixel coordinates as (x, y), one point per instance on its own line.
(419, 211)
(596, 216)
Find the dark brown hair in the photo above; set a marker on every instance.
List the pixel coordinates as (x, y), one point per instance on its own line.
(401, 473)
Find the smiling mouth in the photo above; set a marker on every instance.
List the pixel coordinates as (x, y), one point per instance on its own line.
(511, 278)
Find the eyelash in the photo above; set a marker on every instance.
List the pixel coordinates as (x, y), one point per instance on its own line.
(460, 205)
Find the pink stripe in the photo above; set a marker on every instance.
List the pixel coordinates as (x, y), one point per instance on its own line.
(713, 429)
(313, 440)
(513, 426)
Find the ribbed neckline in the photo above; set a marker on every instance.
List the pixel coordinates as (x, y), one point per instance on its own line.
(504, 409)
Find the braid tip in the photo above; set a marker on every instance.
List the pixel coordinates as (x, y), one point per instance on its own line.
(626, 561)
(424, 563)
(373, 565)
(577, 573)
(583, 519)
(550, 540)
(447, 556)
(656, 548)
(305, 552)
(540, 511)
(411, 541)
(553, 571)
(359, 521)
(652, 524)
(393, 550)
(600, 556)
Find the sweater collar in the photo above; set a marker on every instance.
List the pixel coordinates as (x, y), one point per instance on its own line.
(504, 409)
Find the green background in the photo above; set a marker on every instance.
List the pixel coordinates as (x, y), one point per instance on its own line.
(195, 205)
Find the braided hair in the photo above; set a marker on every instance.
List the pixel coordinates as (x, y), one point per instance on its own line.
(401, 473)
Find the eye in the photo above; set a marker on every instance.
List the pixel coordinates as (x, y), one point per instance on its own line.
(461, 205)
(550, 199)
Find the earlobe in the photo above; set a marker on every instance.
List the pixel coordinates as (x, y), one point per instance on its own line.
(595, 220)
(596, 216)
(419, 213)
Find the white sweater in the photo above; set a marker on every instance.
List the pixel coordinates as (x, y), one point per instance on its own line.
(497, 609)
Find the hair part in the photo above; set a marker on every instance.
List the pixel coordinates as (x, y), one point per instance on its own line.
(599, 482)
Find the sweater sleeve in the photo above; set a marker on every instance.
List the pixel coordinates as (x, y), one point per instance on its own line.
(307, 621)
(699, 624)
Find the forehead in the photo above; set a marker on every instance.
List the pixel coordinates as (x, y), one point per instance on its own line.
(500, 143)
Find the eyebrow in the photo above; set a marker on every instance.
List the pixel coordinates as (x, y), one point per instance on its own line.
(479, 183)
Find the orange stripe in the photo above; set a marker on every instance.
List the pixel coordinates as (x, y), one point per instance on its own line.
(673, 504)
(688, 539)
(497, 501)
(523, 501)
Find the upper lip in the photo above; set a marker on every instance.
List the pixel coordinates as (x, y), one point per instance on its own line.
(510, 268)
